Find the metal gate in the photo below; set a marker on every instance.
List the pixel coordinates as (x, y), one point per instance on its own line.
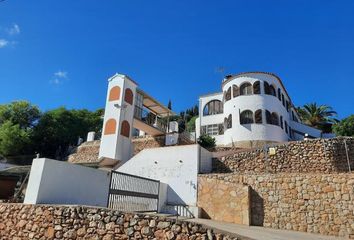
(133, 193)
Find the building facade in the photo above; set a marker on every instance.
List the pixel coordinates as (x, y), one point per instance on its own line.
(253, 108)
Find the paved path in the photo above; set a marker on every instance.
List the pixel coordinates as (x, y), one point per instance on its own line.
(261, 233)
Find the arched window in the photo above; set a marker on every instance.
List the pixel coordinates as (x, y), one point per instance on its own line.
(279, 94)
(128, 96)
(246, 117)
(110, 127)
(272, 90)
(294, 117)
(125, 129)
(221, 129)
(268, 117)
(287, 105)
(213, 107)
(286, 126)
(235, 91)
(258, 116)
(275, 119)
(266, 87)
(257, 87)
(228, 94)
(114, 94)
(246, 89)
(229, 122)
(281, 122)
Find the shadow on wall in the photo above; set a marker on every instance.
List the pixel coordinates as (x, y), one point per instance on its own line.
(219, 166)
(173, 197)
(247, 126)
(257, 208)
(341, 154)
(204, 214)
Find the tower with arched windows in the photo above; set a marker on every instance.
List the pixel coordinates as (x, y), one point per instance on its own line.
(253, 108)
(118, 119)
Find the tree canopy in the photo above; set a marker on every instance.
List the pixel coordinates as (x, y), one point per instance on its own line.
(14, 140)
(345, 127)
(25, 130)
(17, 120)
(60, 128)
(20, 112)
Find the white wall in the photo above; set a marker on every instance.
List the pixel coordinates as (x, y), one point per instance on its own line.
(55, 182)
(249, 132)
(177, 166)
(305, 129)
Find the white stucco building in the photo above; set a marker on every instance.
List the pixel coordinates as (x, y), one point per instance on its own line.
(253, 108)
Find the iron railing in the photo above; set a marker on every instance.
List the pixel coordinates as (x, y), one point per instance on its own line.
(133, 193)
(188, 136)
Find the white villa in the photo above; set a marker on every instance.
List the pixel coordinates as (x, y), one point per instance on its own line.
(179, 178)
(253, 108)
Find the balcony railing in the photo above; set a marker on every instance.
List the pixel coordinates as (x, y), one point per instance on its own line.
(150, 118)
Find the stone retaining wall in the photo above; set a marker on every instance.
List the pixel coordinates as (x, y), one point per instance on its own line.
(315, 203)
(86, 153)
(147, 142)
(311, 156)
(224, 201)
(18, 221)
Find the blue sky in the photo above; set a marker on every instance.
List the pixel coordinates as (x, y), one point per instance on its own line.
(60, 53)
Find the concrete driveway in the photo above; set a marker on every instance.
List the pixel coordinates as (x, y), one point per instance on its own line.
(261, 233)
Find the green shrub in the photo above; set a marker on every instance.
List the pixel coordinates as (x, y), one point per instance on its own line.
(207, 141)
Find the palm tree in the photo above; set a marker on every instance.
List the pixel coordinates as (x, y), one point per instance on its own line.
(319, 116)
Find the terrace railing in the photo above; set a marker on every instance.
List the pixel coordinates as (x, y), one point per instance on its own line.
(150, 118)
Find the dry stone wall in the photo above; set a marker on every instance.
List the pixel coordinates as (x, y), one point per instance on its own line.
(311, 156)
(19, 221)
(86, 153)
(315, 203)
(223, 200)
(148, 142)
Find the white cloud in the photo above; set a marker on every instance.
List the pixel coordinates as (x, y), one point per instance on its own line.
(56, 81)
(3, 43)
(61, 74)
(58, 77)
(14, 30)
